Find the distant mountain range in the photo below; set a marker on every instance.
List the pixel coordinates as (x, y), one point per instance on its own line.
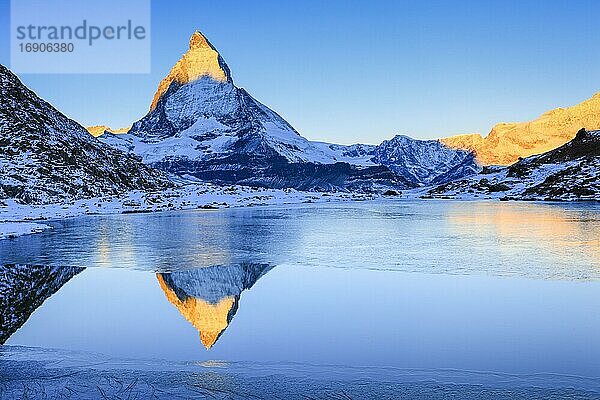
(201, 126)
(507, 142)
(99, 130)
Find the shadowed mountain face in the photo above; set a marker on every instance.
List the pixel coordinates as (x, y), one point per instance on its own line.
(47, 157)
(23, 288)
(208, 297)
(425, 162)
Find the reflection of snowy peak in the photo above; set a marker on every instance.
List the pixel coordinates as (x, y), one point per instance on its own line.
(46, 157)
(208, 297)
(214, 283)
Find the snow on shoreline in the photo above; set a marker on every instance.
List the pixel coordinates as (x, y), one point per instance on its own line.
(16, 219)
(10, 230)
(20, 219)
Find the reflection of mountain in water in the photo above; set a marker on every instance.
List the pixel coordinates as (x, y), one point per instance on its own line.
(208, 297)
(23, 288)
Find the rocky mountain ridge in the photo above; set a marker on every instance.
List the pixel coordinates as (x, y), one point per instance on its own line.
(425, 162)
(569, 172)
(507, 142)
(47, 157)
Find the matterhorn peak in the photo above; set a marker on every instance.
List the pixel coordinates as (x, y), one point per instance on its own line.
(198, 40)
(201, 60)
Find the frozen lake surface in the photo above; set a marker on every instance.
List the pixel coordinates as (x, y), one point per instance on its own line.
(421, 298)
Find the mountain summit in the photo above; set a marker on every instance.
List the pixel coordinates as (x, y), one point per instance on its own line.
(202, 59)
(201, 125)
(198, 113)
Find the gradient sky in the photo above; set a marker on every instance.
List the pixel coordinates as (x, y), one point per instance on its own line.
(362, 71)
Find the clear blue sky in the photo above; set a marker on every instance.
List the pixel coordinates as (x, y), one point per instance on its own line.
(362, 71)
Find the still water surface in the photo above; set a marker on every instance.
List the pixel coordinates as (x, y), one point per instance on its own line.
(487, 286)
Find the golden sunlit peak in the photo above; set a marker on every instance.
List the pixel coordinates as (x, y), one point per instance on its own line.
(209, 319)
(507, 142)
(201, 60)
(98, 130)
(198, 40)
(208, 339)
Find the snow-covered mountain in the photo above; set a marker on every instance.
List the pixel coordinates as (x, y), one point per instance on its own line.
(200, 124)
(23, 288)
(47, 157)
(209, 297)
(198, 114)
(422, 162)
(569, 172)
(425, 161)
